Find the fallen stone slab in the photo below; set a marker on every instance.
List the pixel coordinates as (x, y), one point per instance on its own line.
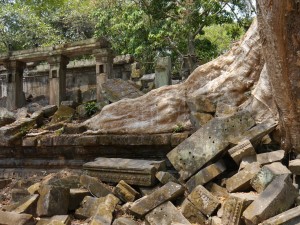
(49, 110)
(241, 151)
(53, 201)
(267, 173)
(279, 196)
(241, 180)
(55, 220)
(246, 161)
(63, 114)
(204, 200)
(289, 217)
(165, 177)
(132, 171)
(217, 190)
(166, 193)
(177, 138)
(148, 190)
(18, 194)
(13, 218)
(199, 119)
(192, 213)
(294, 166)
(233, 210)
(124, 221)
(205, 175)
(100, 209)
(96, 187)
(28, 206)
(125, 192)
(166, 214)
(76, 197)
(192, 154)
(247, 197)
(270, 157)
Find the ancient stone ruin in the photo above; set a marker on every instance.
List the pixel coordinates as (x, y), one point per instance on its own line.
(203, 151)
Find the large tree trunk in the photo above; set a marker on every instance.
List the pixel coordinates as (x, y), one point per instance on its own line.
(279, 26)
(229, 79)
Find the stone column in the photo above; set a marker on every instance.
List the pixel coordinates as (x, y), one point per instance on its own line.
(163, 72)
(57, 78)
(14, 80)
(104, 67)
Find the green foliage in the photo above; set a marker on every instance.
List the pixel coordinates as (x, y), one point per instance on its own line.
(90, 108)
(178, 128)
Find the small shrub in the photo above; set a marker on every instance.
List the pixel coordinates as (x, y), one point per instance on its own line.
(90, 108)
(178, 128)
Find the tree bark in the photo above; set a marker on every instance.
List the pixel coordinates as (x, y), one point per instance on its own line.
(279, 27)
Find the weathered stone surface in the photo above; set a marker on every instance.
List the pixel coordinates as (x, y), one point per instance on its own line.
(241, 151)
(216, 221)
(267, 174)
(55, 220)
(96, 187)
(64, 113)
(289, 217)
(28, 206)
(49, 110)
(165, 177)
(217, 190)
(270, 157)
(192, 154)
(201, 104)
(276, 198)
(246, 161)
(148, 190)
(76, 197)
(4, 183)
(241, 180)
(70, 104)
(33, 189)
(247, 197)
(204, 200)
(163, 69)
(18, 193)
(167, 192)
(12, 218)
(224, 109)
(199, 119)
(177, 138)
(67, 181)
(124, 221)
(191, 213)
(166, 214)
(132, 171)
(53, 201)
(6, 117)
(100, 209)
(117, 89)
(294, 166)
(206, 174)
(125, 192)
(232, 211)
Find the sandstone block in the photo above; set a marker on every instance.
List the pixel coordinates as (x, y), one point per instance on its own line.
(223, 109)
(276, 198)
(125, 192)
(76, 197)
(163, 69)
(241, 180)
(199, 119)
(246, 161)
(165, 177)
(191, 213)
(53, 201)
(33, 189)
(241, 151)
(166, 214)
(204, 200)
(200, 104)
(216, 221)
(132, 171)
(247, 197)
(49, 110)
(96, 187)
(18, 194)
(28, 206)
(270, 157)
(232, 211)
(267, 174)
(192, 154)
(177, 138)
(167, 192)
(217, 190)
(13, 218)
(294, 166)
(64, 113)
(206, 174)
(55, 220)
(124, 221)
(289, 217)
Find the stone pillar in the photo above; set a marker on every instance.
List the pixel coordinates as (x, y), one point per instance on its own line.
(163, 72)
(57, 78)
(104, 67)
(14, 80)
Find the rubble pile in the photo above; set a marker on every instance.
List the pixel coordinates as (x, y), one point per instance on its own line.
(229, 172)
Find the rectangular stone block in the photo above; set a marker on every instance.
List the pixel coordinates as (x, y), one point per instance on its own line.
(267, 174)
(192, 214)
(241, 151)
(208, 142)
(125, 192)
(241, 180)
(217, 190)
(232, 211)
(205, 175)
(294, 166)
(279, 196)
(204, 200)
(270, 157)
(60, 220)
(95, 186)
(167, 192)
(166, 214)
(289, 217)
(76, 197)
(132, 171)
(13, 218)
